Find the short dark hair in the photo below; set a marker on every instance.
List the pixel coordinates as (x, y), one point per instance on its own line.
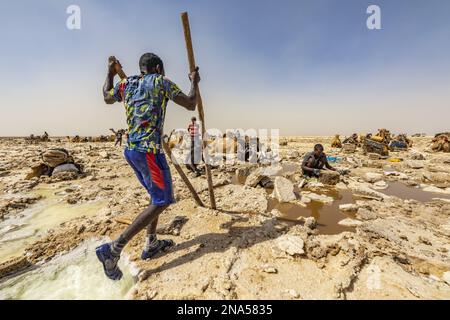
(318, 147)
(148, 61)
(193, 119)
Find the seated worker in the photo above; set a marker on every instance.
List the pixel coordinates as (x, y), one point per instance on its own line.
(314, 161)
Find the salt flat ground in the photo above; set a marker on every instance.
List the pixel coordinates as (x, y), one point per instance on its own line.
(395, 246)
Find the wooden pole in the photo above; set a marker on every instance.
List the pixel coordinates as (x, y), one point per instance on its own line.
(201, 114)
(182, 175)
(166, 147)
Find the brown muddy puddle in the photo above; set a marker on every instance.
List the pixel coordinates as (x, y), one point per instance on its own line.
(405, 192)
(326, 215)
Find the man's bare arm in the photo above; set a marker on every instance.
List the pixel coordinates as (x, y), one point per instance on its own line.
(308, 167)
(109, 84)
(328, 166)
(189, 101)
(107, 88)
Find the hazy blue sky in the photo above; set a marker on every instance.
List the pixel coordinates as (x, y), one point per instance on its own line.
(302, 66)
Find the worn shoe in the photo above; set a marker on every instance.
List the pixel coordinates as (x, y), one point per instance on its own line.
(109, 261)
(163, 245)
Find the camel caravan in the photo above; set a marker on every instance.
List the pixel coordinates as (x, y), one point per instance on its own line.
(32, 139)
(115, 137)
(380, 143)
(384, 141)
(102, 138)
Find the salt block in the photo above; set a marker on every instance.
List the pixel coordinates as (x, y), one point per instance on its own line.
(329, 177)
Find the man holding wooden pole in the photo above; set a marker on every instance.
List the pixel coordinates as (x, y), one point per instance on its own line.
(145, 97)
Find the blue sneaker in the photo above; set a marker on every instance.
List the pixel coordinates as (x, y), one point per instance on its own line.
(109, 261)
(163, 245)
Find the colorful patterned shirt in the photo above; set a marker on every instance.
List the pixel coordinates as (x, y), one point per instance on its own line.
(145, 99)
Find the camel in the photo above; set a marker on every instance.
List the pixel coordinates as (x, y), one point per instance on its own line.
(33, 139)
(362, 137)
(383, 135)
(37, 171)
(440, 143)
(403, 137)
(45, 137)
(336, 142)
(178, 142)
(103, 138)
(353, 139)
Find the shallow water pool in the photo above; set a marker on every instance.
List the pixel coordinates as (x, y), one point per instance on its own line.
(74, 275)
(23, 229)
(326, 215)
